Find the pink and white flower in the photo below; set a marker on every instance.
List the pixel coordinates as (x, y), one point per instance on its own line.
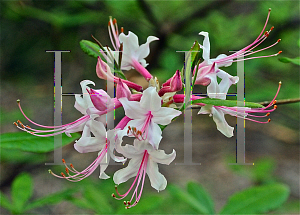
(146, 115)
(144, 160)
(86, 144)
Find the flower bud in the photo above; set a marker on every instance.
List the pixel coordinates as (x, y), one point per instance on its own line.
(123, 90)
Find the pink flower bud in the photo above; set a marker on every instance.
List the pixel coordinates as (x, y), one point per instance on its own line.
(103, 70)
(100, 99)
(174, 84)
(123, 90)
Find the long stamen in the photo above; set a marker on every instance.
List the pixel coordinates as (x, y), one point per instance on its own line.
(78, 176)
(139, 179)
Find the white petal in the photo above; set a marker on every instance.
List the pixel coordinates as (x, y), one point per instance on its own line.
(103, 165)
(164, 115)
(130, 43)
(128, 172)
(150, 100)
(154, 135)
(221, 123)
(128, 151)
(133, 109)
(206, 46)
(159, 156)
(157, 180)
(213, 88)
(205, 109)
(79, 102)
(144, 50)
(98, 129)
(87, 143)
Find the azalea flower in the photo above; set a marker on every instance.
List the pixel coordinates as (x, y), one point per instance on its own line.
(146, 115)
(144, 160)
(205, 68)
(215, 90)
(86, 144)
(133, 54)
(82, 103)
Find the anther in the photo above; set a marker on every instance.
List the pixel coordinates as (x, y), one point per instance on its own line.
(114, 21)
(269, 120)
(275, 106)
(125, 203)
(280, 83)
(63, 160)
(269, 9)
(272, 28)
(128, 203)
(71, 165)
(108, 23)
(122, 30)
(67, 171)
(274, 102)
(15, 124)
(49, 170)
(113, 195)
(268, 114)
(27, 126)
(278, 40)
(279, 52)
(63, 175)
(18, 101)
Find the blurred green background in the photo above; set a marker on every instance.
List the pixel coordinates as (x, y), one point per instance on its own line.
(29, 28)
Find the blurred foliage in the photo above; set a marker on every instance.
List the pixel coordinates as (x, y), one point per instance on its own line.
(93, 196)
(30, 143)
(29, 28)
(37, 26)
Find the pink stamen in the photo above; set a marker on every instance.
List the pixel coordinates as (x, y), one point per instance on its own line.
(139, 179)
(86, 172)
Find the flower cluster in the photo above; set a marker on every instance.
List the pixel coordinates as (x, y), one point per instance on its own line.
(147, 111)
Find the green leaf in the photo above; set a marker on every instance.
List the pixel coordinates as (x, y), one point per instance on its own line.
(18, 156)
(263, 170)
(192, 58)
(290, 60)
(27, 142)
(4, 202)
(189, 199)
(22, 188)
(51, 199)
(97, 200)
(227, 103)
(198, 192)
(257, 199)
(90, 48)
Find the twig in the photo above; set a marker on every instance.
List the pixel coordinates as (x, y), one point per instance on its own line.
(278, 102)
(283, 101)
